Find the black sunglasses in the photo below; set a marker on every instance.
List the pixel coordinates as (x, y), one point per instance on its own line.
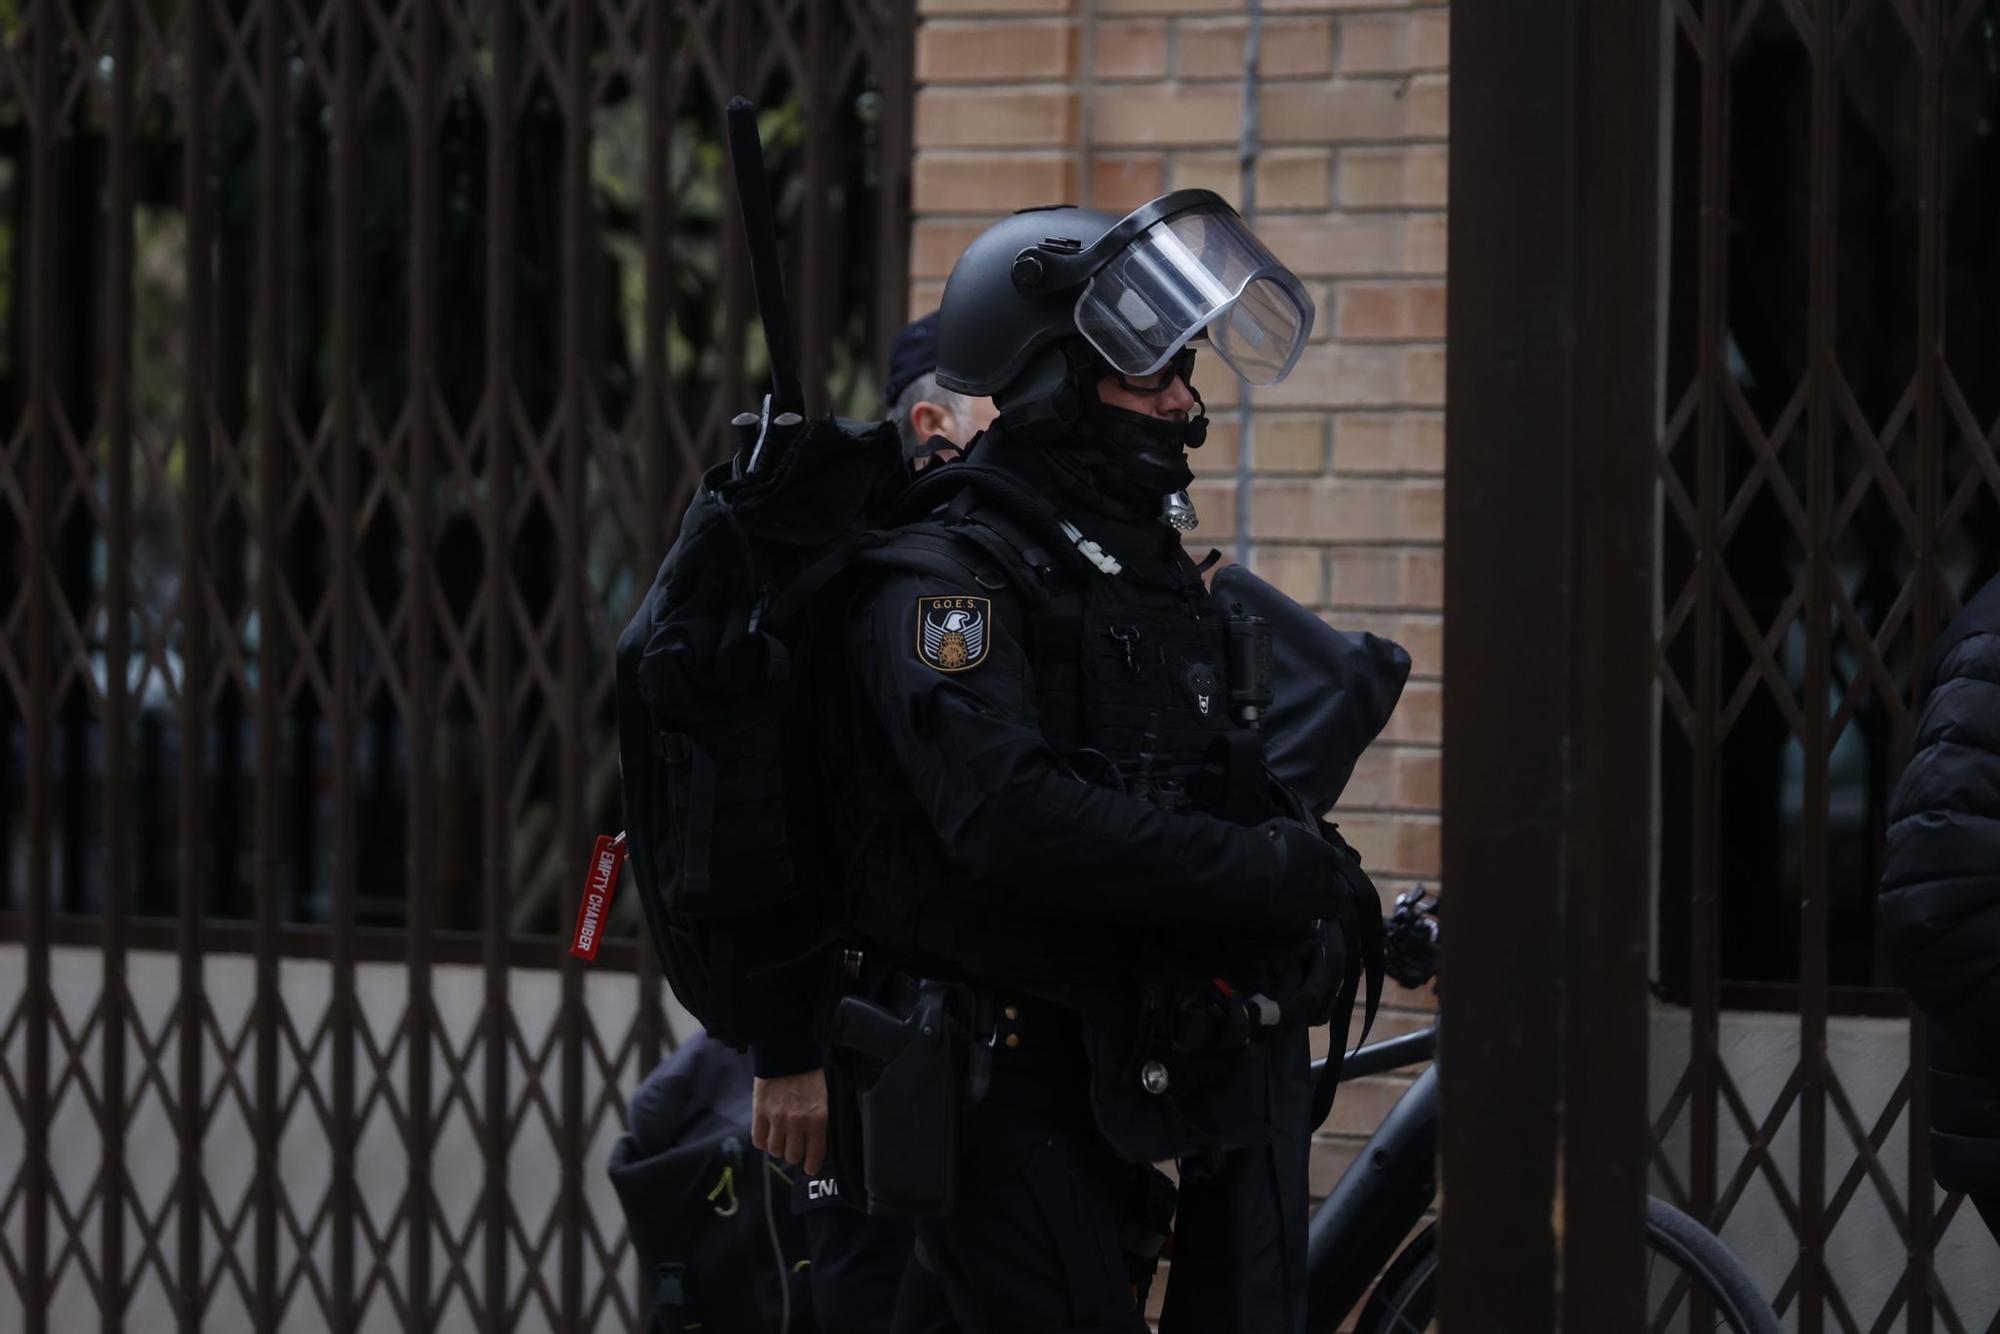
(1181, 367)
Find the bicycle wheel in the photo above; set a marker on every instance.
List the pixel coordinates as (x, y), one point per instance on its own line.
(1684, 1256)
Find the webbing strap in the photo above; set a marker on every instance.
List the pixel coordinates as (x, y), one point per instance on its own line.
(1328, 1082)
(1055, 612)
(1362, 934)
(809, 582)
(921, 553)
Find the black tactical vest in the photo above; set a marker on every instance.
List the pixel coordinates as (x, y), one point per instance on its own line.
(1128, 666)
(1130, 693)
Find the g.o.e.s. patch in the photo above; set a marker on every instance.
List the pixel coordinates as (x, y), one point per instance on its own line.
(952, 631)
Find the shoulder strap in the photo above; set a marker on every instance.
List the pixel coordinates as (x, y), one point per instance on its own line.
(803, 587)
(926, 548)
(922, 548)
(1361, 929)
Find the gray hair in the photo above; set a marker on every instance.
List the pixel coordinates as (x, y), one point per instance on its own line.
(925, 389)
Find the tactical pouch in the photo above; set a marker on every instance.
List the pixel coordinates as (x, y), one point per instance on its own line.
(1233, 783)
(735, 934)
(909, 1111)
(1251, 666)
(727, 825)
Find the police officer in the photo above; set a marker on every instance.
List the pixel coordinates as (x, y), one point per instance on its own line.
(1333, 692)
(1052, 810)
(936, 423)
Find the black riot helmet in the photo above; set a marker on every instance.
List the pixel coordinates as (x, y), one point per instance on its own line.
(1049, 294)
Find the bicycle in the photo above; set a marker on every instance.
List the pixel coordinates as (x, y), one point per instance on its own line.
(1357, 1232)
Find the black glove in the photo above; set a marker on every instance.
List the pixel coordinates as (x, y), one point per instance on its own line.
(1317, 884)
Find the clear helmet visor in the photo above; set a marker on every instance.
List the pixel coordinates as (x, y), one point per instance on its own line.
(1197, 271)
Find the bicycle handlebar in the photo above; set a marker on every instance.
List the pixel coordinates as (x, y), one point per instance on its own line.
(1390, 1054)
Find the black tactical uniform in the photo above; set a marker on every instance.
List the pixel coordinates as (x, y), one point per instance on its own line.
(1043, 799)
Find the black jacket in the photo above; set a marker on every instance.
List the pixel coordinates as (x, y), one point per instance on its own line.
(1940, 901)
(1012, 821)
(1333, 692)
(983, 842)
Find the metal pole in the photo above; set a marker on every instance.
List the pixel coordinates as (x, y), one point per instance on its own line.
(418, 1015)
(40, 815)
(1816, 739)
(496, 708)
(659, 452)
(1548, 590)
(571, 710)
(1928, 576)
(198, 208)
(274, 465)
(1705, 936)
(1246, 168)
(121, 173)
(345, 713)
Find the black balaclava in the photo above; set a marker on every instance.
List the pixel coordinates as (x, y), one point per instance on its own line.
(1133, 459)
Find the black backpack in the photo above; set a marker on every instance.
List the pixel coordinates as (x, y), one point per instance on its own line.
(723, 825)
(712, 1220)
(719, 827)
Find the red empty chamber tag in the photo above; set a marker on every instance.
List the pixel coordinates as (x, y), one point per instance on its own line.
(597, 888)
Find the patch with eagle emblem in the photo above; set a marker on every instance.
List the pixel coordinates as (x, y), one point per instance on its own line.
(951, 631)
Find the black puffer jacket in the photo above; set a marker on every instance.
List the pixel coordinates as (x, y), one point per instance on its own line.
(1941, 893)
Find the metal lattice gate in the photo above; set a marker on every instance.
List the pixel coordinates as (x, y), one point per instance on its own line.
(355, 360)
(1829, 495)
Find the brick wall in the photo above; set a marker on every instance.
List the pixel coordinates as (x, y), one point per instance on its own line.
(1110, 102)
